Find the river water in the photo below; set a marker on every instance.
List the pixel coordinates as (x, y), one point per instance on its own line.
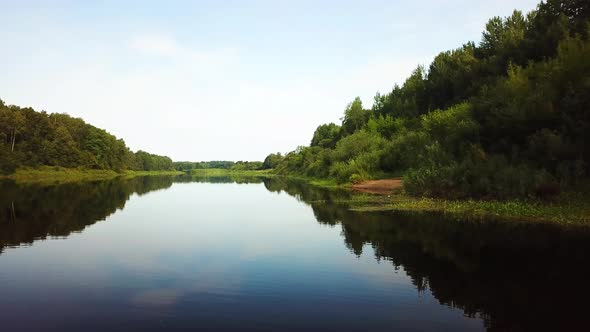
(218, 254)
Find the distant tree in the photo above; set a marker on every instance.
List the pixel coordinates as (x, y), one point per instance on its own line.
(247, 166)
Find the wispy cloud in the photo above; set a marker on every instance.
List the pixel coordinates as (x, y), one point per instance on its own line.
(157, 45)
(164, 46)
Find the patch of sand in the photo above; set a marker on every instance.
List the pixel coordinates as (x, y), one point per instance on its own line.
(380, 187)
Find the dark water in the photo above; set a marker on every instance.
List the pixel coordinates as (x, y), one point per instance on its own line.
(163, 253)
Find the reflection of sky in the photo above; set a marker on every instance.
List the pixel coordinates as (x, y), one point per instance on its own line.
(212, 252)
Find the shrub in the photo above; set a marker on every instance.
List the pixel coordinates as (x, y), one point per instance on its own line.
(492, 178)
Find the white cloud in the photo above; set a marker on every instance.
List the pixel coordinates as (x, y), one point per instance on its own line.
(164, 46)
(156, 44)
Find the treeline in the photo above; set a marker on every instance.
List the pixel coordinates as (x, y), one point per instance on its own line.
(508, 117)
(31, 139)
(219, 164)
(188, 165)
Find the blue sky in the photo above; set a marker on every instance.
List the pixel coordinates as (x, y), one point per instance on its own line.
(231, 80)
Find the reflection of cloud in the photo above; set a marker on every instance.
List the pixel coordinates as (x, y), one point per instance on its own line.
(157, 297)
(223, 276)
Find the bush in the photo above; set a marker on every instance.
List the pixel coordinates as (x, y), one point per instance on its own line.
(493, 178)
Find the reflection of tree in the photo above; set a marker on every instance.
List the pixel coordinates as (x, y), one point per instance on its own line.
(32, 211)
(229, 178)
(517, 276)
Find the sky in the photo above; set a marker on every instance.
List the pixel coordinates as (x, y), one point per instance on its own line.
(223, 80)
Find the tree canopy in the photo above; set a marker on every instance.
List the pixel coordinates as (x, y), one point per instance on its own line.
(30, 139)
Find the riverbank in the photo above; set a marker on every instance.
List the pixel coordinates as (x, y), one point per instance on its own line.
(48, 174)
(379, 187)
(570, 208)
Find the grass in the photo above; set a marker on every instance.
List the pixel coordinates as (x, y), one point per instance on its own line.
(325, 183)
(568, 209)
(48, 174)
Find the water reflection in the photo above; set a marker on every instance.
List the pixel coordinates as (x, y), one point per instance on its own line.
(515, 276)
(30, 212)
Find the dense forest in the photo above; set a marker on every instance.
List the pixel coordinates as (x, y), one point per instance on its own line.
(31, 139)
(507, 117)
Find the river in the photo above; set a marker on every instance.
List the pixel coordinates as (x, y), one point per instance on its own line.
(253, 254)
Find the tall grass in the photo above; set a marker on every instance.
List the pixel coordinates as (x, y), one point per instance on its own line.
(568, 209)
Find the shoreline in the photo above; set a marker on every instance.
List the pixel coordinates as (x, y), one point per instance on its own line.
(387, 195)
(56, 174)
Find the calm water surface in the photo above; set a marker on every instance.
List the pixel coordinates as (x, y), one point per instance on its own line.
(163, 253)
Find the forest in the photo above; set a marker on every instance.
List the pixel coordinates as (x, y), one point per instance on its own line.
(508, 117)
(32, 139)
(186, 166)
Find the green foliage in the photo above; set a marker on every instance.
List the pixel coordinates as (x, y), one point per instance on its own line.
(407, 101)
(151, 162)
(508, 117)
(326, 136)
(233, 173)
(356, 157)
(386, 126)
(451, 76)
(272, 160)
(452, 128)
(219, 164)
(247, 166)
(190, 165)
(355, 117)
(494, 178)
(34, 139)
